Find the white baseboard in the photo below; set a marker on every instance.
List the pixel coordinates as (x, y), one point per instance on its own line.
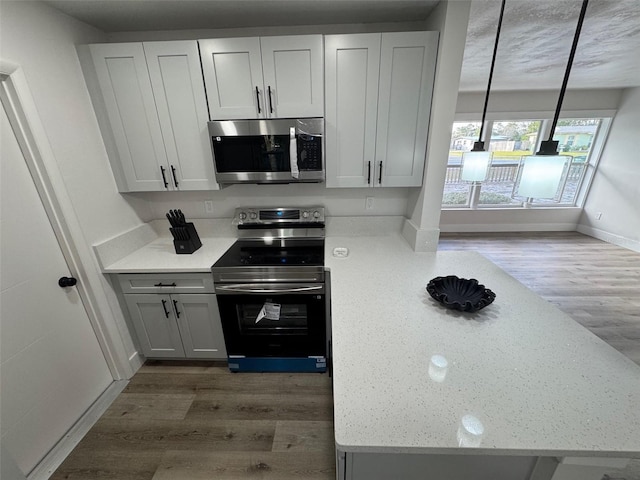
(63, 448)
(610, 237)
(420, 240)
(508, 227)
(136, 360)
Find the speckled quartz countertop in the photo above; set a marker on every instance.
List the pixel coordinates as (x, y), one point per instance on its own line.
(159, 256)
(526, 378)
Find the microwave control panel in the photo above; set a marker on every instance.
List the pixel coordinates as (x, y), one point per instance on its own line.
(309, 152)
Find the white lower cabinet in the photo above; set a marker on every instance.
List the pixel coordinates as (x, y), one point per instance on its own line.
(174, 325)
(378, 89)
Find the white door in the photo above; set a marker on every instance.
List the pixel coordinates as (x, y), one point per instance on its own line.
(155, 323)
(51, 366)
(200, 326)
(352, 64)
(178, 89)
(126, 89)
(293, 78)
(407, 69)
(232, 70)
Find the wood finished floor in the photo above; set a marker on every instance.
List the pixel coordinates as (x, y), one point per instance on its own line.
(197, 421)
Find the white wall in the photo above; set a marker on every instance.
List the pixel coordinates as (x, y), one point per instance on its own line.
(502, 106)
(615, 191)
(149, 36)
(41, 40)
(338, 202)
(451, 20)
(537, 101)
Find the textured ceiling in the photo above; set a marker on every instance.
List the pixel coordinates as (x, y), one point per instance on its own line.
(536, 39)
(534, 45)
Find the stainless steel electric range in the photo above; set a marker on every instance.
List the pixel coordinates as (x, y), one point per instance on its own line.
(272, 291)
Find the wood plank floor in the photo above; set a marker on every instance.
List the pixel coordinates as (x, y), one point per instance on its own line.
(196, 420)
(199, 421)
(596, 283)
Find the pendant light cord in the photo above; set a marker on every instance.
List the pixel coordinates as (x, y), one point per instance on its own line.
(493, 62)
(576, 37)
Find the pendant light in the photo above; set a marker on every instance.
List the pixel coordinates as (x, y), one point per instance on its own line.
(541, 173)
(475, 163)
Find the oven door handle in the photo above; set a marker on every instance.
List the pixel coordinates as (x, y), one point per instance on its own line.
(258, 289)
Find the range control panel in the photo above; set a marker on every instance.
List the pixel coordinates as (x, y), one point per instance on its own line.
(279, 216)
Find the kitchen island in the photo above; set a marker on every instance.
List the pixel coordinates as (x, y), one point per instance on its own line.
(516, 391)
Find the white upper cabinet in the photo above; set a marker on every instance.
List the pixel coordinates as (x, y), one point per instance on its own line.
(232, 70)
(352, 67)
(266, 77)
(378, 102)
(156, 107)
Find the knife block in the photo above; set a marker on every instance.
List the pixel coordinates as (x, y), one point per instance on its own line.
(188, 245)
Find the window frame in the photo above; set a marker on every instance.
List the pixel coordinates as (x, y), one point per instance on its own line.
(546, 118)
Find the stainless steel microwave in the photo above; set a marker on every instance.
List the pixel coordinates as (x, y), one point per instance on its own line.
(286, 150)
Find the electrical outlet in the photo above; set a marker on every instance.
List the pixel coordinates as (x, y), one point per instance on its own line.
(598, 215)
(208, 206)
(368, 204)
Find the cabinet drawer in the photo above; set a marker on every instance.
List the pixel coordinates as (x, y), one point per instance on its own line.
(166, 283)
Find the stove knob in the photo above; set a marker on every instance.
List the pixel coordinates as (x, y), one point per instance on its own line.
(305, 214)
(316, 214)
(253, 215)
(242, 216)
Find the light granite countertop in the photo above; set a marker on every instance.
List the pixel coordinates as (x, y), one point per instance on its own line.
(159, 256)
(517, 378)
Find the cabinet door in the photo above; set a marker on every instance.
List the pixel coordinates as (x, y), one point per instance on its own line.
(155, 324)
(293, 77)
(178, 89)
(200, 326)
(407, 68)
(351, 81)
(123, 78)
(232, 70)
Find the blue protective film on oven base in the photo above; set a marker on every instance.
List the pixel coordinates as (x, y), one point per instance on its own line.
(278, 364)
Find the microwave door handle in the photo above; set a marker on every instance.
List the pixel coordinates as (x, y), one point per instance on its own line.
(293, 153)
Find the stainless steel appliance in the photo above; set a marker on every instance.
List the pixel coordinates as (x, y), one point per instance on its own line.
(286, 150)
(272, 291)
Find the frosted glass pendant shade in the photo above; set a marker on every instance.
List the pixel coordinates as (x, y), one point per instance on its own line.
(541, 175)
(475, 166)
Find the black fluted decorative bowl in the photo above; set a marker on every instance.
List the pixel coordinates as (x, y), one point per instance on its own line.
(463, 294)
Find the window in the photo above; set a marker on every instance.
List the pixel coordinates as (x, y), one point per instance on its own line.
(509, 141)
(456, 191)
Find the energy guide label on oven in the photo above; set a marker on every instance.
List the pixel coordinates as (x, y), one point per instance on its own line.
(270, 311)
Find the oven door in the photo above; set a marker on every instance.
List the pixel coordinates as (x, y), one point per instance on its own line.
(273, 320)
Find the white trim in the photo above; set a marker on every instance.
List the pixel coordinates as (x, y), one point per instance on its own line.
(507, 227)
(420, 240)
(533, 115)
(610, 237)
(31, 135)
(66, 444)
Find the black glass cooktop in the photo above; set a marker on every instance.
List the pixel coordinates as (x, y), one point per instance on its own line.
(265, 252)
